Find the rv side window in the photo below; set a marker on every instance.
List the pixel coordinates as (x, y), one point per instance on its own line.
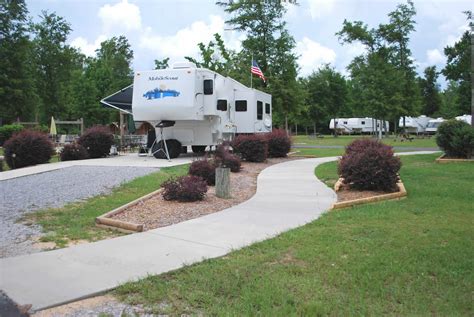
(208, 87)
(267, 108)
(241, 105)
(222, 104)
(259, 110)
(345, 122)
(362, 122)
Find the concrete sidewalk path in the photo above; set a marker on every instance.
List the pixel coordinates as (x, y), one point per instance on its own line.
(288, 196)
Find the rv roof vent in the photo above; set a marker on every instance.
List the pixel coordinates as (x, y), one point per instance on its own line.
(181, 65)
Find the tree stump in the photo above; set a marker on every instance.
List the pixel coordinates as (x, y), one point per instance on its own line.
(223, 182)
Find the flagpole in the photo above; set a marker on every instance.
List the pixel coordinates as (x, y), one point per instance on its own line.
(251, 76)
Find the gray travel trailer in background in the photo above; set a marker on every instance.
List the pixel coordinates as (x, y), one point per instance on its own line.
(196, 107)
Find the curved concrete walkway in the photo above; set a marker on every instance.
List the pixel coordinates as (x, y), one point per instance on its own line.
(288, 196)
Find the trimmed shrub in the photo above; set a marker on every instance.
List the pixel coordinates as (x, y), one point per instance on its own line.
(97, 141)
(456, 139)
(8, 130)
(205, 169)
(224, 158)
(185, 188)
(251, 147)
(279, 143)
(28, 148)
(360, 145)
(370, 165)
(74, 151)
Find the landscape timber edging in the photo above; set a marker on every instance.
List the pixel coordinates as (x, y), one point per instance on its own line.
(442, 159)
(104, 221)
(402, 193)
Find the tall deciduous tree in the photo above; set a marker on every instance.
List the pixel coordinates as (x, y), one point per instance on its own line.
(269, 43)
(326, 94)
(215, 56)
(458, 68)
(103, 75)
(431, 100)
(162, 63)
(17, 96)
(54, 62)
(387, 51)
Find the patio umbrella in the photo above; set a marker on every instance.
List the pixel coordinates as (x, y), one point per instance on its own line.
(52, 129)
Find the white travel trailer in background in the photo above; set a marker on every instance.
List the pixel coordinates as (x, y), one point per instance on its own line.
(433, 125)
(196, 107)
(358, 125)
(466, 118)
(414, 124)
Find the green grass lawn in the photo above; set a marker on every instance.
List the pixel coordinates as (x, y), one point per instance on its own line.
(76, 221)
(344, 140)
(408, 257)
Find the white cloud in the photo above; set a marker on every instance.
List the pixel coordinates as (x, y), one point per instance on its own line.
(434, 56)
(184, 42)
(85, 47)
(122, 16)
(318, 8)
(313, 55)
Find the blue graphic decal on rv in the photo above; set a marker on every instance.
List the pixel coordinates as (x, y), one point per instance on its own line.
(160, 93)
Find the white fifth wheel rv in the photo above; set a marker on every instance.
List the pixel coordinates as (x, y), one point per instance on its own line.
(358, 125)
(466, 118)
(414, 124)
(196, 107)
(433, 125)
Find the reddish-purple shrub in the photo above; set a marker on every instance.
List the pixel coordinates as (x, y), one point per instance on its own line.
(361, 145)
(369, 165)
(205, 169)
(28, 148)
(279, 143)
(185, 188)
(226, 159)
(251, 147)
(97, 141)
(72, 152)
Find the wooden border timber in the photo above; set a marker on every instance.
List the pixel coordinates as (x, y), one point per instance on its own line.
(104, 221)
(402, 193)
(441, 159)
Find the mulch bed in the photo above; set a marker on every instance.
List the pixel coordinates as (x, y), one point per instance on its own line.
(157, 212)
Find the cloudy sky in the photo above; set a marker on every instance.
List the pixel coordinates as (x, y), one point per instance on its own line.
(167, 28)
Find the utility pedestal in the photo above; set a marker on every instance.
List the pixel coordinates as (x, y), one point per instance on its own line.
(223, 182)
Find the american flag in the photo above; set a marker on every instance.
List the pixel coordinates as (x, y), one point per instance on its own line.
(256, 70)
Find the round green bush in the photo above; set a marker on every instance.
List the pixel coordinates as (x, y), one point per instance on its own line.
(8, 130)
(456, 139)
(28, 148)
(369, 165)
(97, 141)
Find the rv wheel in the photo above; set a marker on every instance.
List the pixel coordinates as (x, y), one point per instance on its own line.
(198, 148)
(174, 149)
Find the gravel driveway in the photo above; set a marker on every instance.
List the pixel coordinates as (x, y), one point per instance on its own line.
(52, 189)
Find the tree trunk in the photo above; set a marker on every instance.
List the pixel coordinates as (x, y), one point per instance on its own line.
(296, 128)
(314, 128)
(223, 182)
(286, 124)
(335, 128)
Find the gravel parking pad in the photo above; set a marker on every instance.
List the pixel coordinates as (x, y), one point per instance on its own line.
(52, 189)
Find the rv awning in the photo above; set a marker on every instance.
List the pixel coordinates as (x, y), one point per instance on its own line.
(121, 100)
